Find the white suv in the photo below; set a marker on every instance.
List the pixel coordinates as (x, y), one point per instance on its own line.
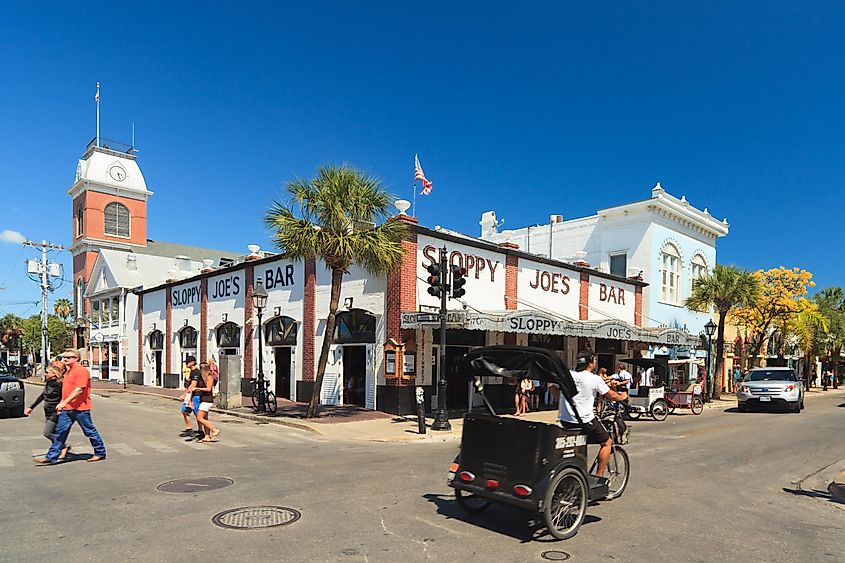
(770, 386)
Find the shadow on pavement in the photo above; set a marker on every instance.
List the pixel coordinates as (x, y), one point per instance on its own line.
(518, 524)
(814, 493)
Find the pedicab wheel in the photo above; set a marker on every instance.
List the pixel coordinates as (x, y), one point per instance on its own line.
(659, 410)
(634, 415)
(566, 503)
(697, 406)
(471, 502)
(618, 471)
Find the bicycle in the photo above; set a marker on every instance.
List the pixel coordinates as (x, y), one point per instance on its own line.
(618, 467)
(263, 400)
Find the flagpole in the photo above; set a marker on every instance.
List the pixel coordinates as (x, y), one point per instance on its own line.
(98, 114)
(414, 212)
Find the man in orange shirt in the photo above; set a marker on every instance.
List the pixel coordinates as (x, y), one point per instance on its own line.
(75, 406)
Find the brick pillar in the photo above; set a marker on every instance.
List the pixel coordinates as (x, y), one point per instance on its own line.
(638, 306)
(583, 304)
(309, 320)
(140, 334)
(168, 331)
(249, 321)
(511, 276)
(203, 335)
(402, 284)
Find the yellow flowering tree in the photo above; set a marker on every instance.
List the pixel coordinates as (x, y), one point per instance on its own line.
(782, 299)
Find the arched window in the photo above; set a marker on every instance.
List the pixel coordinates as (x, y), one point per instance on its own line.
(698, 267)
(156, 340)
(117, 220)
(355, 327)
(229, 336)
(188, 338)
(80, 221)
(280, 331)
(670, 274)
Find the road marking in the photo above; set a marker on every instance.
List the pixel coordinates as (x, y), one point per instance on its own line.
(124, 449)
(161, 447)
(6, 460)
(39, 453)
(195, 445)
(19, 438)
(231, 444)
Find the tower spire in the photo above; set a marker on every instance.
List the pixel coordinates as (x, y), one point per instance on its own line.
(97, 99)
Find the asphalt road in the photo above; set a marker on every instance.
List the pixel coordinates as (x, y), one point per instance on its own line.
(714, 487)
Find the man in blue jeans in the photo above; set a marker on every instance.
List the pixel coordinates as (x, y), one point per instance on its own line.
(75, 406)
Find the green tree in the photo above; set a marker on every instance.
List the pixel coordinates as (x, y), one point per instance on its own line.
(59, 334)
(723, 289)
(339, 217)
(62, 308)
(11, 330)
(831, 305)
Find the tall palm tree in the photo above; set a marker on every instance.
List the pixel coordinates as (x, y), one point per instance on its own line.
(335, 218)
(62, 308)
(723, 289)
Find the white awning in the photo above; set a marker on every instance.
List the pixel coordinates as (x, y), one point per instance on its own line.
(538, 322)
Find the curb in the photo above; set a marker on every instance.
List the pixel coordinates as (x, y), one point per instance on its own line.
(837, 491)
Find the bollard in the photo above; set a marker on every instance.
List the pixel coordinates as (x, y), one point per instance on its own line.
(421, 409)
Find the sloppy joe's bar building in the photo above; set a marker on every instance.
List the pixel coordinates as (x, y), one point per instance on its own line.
(385, 344)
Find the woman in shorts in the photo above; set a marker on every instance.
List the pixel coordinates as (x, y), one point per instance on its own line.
(205, 391)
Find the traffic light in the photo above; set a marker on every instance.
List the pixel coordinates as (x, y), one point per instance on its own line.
(435, 280)
(458, 281)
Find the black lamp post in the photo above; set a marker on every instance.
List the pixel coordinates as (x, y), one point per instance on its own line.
(710, 330)
(259, 301)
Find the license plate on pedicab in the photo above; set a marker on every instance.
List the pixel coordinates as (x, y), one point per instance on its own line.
(765, 399)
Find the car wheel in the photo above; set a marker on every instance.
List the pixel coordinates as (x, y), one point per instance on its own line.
(741, 407)
(802, 404)
(797, 408)
(17, 412)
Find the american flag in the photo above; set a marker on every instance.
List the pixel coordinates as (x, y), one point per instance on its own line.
(420, 175)
(97, 95)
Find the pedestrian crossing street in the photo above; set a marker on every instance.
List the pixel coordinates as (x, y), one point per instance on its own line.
(21, 450)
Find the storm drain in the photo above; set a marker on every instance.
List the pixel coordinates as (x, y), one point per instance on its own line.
(253, 517)
(555, 555)
(198, 485)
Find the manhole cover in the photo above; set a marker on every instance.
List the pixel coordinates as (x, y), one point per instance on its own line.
(555, 555)
(252, 517)
(194, 485)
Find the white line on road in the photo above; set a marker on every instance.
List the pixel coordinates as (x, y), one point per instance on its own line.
(39, 453)
(195, 445)
(19, 438)
(161, 447)
(124, 449)
(231, 444)
(6, 460)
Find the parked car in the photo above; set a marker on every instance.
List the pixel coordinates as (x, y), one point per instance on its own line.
(12, 394)
(770, 386)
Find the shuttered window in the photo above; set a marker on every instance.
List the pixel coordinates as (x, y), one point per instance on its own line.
(117, 220)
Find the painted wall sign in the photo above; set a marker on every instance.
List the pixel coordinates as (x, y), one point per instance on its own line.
(485, 287)
(611, 299)
(279, 276)
(185, 295)
(225, 288)
(541, 286)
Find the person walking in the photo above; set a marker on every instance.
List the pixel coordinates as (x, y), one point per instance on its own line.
(190, 403)
(204, 389)
(75, 406)
(51, 396)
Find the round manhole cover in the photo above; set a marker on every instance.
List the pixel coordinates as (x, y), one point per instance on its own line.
(555, 555)
(252, 517)
(197, 485)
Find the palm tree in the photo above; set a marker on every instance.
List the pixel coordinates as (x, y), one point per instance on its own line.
(723, 289)
(333, 217)
(62, 308)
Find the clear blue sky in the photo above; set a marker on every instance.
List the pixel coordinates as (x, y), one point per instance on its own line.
(525, 108)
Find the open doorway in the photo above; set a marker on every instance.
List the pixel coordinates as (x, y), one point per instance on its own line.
(282, 357)
(355, 375)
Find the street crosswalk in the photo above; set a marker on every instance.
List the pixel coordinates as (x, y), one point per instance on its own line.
(21, 450)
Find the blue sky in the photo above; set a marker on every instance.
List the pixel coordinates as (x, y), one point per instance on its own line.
(524, 108)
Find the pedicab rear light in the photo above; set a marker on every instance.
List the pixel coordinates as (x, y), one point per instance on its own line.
(522, 491)
(492, 484)
(466, 476)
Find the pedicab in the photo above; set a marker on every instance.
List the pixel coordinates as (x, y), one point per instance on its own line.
(649, 399)
(538, 467)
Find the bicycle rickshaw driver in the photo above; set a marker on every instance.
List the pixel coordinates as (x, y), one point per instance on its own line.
(589, 387)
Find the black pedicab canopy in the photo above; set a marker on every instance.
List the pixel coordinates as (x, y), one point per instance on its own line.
(660, 365)
(521, 361)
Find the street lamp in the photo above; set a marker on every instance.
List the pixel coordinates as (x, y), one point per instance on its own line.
(710, 330)
(259, 301)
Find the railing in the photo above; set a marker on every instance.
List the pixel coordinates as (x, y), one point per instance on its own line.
(114, 146)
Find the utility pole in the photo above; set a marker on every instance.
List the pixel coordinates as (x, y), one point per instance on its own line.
(44, 270)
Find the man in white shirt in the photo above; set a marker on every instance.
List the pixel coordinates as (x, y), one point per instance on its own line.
(589, 387)
(648, 377)
(623, 376)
